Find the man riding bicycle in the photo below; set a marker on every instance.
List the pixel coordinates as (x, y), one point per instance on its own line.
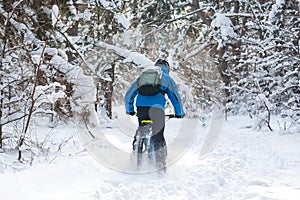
(151, 107)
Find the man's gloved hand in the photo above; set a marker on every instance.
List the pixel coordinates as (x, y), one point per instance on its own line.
(179, 116)
(130, 113)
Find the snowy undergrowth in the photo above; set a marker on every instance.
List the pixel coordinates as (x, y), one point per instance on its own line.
(45, 142)
(245, 164)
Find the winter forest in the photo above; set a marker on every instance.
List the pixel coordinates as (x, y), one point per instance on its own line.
(73, 60)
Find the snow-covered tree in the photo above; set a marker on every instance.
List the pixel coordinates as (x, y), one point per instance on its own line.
(36, 73)
(268, 65)
(59, 59)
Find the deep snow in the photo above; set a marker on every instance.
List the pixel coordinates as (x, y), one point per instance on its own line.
(244, 164)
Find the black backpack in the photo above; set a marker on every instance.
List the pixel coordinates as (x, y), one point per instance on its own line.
(149, 81)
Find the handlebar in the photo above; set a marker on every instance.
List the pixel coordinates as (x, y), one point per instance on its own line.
(175, 116)
(170, 116)
(149, 121)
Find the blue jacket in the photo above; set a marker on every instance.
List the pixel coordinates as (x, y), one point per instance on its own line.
(158, 100)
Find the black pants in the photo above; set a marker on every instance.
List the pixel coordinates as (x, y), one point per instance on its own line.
(158, 122)
(158, 126)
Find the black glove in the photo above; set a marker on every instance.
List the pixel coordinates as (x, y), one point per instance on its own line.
(130, 113)
(179, 116)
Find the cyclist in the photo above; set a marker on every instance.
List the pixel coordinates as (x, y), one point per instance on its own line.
(152, 108)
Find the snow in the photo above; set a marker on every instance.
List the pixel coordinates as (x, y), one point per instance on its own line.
(243, 164)
(275, 9)
(121, 18)
(55, 15)
(49, 93)
(222, 22)
(135, 57)
(28, 35)
(214, 160)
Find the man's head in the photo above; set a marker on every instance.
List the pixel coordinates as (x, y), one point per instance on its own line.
(163, 64)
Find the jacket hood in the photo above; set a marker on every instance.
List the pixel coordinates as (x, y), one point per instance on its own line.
(164, 69)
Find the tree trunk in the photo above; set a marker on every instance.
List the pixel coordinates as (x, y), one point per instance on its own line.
(1, 114)
(109, 91)
(223, 68)
(202, 15)
(31, 109)
(1, 135)
(221, 62)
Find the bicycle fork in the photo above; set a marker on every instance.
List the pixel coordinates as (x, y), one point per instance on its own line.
(143, 143)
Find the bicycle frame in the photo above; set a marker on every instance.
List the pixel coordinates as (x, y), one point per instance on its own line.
(143, 144)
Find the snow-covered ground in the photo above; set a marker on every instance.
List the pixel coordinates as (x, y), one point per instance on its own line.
(244, 164)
